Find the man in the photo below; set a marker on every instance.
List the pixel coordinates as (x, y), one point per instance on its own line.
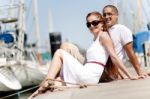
(121, 37)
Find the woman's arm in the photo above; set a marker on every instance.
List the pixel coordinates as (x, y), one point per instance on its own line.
(107, 42)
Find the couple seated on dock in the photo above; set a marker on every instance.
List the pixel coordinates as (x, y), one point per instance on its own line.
(103, 60)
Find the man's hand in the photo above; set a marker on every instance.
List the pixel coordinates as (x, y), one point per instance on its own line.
(143, 74)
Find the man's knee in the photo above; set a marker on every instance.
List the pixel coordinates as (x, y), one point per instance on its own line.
(59, 52)
(65, 45)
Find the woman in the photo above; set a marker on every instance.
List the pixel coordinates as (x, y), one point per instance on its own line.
(97, 55)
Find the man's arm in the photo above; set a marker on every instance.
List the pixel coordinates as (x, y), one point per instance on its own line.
(133, 58)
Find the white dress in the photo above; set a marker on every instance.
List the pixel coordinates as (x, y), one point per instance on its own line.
(75, 72)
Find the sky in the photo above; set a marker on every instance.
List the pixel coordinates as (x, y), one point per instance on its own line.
(68, 18)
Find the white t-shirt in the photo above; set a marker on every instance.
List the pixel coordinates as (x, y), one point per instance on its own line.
(120, 36)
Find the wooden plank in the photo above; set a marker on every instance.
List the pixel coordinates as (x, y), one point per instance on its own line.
(120, 89)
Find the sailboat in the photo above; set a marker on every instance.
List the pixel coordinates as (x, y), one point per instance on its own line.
(19, 66)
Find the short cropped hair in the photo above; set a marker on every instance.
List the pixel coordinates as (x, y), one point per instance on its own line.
(114, 8)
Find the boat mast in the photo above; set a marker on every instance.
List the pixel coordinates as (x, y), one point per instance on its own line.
(136, 17)
(146, 13)
(50, 21)
(11, 13)
(36, 22)
(139, 21)
(21, 28)
(12, 16)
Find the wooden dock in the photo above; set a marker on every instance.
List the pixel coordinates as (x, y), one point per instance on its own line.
(120, 89)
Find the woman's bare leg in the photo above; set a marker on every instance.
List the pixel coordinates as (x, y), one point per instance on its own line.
(56, 64)
(55, 67)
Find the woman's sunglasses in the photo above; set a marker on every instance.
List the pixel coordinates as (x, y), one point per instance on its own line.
(94, 23)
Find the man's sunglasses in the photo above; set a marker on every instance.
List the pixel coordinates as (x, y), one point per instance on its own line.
(94, 23)
(108, 14)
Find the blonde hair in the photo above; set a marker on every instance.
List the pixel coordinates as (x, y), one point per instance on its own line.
(73, 50)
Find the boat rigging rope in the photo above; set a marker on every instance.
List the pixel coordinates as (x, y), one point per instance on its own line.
(55, 87)
(78, 84)
(6, 97)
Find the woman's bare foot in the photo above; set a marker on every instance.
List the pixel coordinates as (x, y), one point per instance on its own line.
(46, 85)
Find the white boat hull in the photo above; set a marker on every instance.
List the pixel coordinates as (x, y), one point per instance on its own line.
(27, 73)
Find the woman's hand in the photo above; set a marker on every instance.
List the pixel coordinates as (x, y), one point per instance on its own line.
(136, 77)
